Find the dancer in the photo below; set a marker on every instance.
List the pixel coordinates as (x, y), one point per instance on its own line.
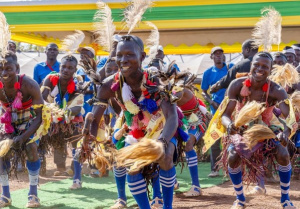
(131, 79)
(67, 109)
(236, 155)
(21, 118)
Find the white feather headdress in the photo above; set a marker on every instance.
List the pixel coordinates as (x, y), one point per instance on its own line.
(4, 35)
(134, 13)
(71, 42)
(153, 41)
(104, 26)
(267, 30)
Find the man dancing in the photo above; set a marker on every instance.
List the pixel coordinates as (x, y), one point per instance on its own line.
(60, 90)
(139, 106)
(21, 117)
(258, 88)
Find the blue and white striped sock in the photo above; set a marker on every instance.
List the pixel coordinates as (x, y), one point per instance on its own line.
(138, 189)
(120, 177)
(33, 171)
(167, 180)
(192, 161)
(77, 168)
(156, 186)
(236, 179)
(285, 177)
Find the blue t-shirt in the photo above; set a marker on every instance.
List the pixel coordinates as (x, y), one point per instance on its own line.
(210, 77)
(101, 63)
(87, 108)
(41, 70)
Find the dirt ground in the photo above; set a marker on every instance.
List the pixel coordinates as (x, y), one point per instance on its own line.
(217, 197)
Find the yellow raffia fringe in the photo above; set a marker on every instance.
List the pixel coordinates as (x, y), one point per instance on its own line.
(45, 125)
(249, 112)
(139, 155)
(257, 133)
(295, 99)
(285, 76)
(103, 160)
(5, 146)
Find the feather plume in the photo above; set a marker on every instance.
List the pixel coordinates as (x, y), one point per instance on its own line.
(104, 26)
(153, 41)
(285, 76)
(267, 30)
(277, 19)
(71, 42)
(5, 35)
(134, 13)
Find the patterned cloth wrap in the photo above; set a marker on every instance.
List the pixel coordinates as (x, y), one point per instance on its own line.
(59, 127)
(24, 119)
(194, 115)
(251, 160)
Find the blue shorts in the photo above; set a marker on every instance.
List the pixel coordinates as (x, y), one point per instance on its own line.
(196, 132)
(297, 139)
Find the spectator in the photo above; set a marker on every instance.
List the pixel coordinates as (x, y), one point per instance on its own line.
(243, 66)
(158, 61)
(296, 47)
(102, 62)
(210, 77)
(290, 54)
(41, 70)
(279, 59)
(12, 46)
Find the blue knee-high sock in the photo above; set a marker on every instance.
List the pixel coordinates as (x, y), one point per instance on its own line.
(167, 180)
(236, 178)
(77, 167)
(4, 179)
(138, 189)
(192, 161)
(120, 177)
(156, 186)
(33, 172)
(285, 177)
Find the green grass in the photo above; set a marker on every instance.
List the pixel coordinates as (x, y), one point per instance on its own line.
(98, 193)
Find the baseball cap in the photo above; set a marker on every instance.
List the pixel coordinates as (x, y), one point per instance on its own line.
(216, 48)
(87, 48)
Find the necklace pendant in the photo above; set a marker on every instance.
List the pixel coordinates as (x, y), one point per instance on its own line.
(14, 117)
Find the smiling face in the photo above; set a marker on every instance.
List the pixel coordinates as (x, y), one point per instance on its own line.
(129, 57)
(260, 68)
(9, 69)
(67, 69)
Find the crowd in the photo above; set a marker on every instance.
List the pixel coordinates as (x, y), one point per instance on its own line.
(152, 119)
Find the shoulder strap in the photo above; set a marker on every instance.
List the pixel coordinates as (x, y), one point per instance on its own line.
(268, 91)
